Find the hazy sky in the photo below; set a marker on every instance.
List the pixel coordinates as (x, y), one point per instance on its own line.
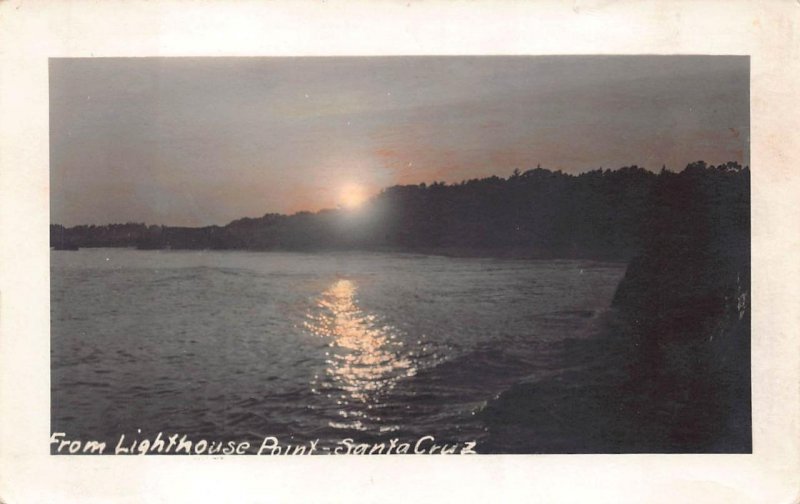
(195, 141)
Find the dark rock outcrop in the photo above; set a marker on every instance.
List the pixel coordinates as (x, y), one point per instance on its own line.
(673, 363)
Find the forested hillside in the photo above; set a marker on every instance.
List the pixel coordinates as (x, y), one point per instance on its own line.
(536, 213)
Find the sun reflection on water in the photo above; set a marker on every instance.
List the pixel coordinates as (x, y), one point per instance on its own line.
(366, 359)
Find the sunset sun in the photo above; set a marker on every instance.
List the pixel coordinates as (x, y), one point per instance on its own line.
(352, 195)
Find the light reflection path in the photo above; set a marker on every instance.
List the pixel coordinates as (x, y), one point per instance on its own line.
(365, 361)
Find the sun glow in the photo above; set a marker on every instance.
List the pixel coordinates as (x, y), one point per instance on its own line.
(353, 196)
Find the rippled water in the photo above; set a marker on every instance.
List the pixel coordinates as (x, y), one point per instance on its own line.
(239, 345)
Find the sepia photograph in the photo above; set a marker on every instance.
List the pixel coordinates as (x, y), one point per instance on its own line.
(399, 251)
(391, 255)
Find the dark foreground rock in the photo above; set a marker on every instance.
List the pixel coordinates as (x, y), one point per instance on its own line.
(672, 366)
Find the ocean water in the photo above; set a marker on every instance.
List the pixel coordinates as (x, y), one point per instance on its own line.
(368, 346)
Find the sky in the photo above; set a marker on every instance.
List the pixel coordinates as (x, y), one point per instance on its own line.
(201, 141)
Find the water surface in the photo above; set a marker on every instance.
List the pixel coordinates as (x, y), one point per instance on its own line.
(239, 345)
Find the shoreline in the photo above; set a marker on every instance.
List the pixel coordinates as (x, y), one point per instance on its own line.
(454, 252)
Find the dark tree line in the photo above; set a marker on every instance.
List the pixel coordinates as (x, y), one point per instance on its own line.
(538, 213)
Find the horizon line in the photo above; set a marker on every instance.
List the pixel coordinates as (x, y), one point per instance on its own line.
(420, 184)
